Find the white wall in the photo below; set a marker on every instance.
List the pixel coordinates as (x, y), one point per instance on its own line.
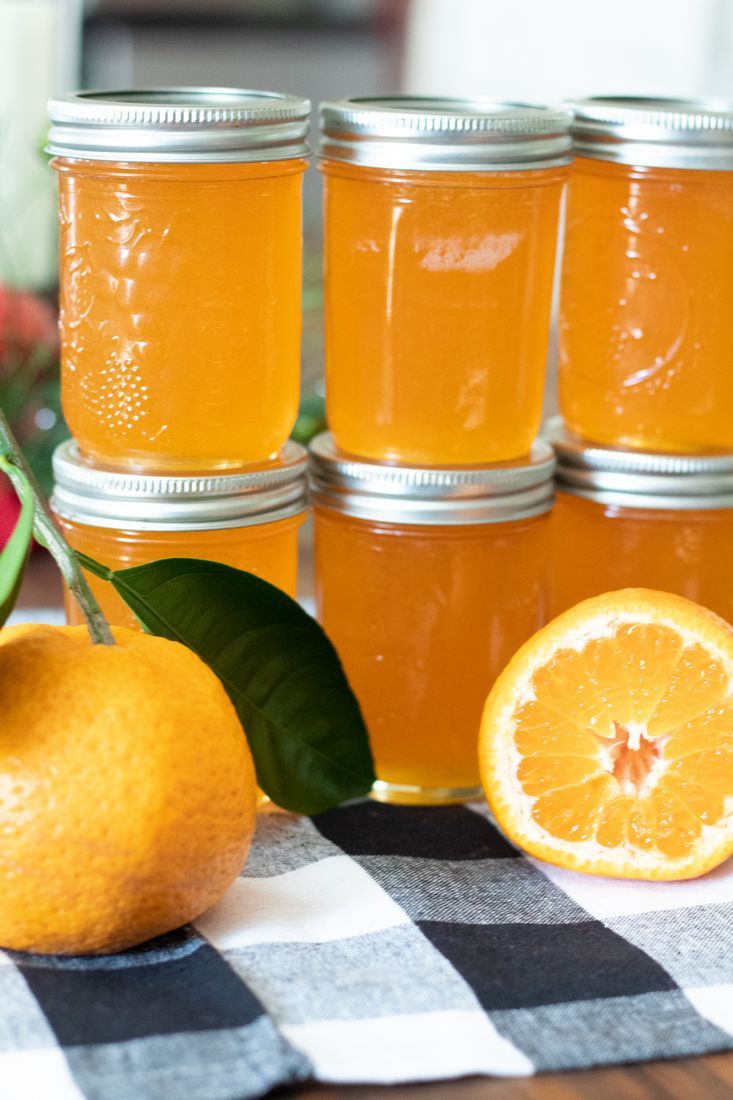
(546, 50)
(39, 56)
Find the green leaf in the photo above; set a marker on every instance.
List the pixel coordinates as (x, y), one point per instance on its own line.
(302, 720)
(15, 551)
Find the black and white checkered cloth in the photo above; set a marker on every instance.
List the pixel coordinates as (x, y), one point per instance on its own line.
(379, 944)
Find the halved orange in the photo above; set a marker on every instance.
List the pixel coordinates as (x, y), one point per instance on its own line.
(606, 744)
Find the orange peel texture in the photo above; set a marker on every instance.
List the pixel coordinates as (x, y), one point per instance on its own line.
(127, 790)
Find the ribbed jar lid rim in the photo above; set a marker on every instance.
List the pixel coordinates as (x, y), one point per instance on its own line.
(640, 479)
(102, 497)
(431, 494)
(449, 134)
(655, 132)
(179, 124)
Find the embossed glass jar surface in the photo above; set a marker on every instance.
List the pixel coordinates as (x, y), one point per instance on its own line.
(646, 329)
(180, 287)
(441, 222)
(248, 520)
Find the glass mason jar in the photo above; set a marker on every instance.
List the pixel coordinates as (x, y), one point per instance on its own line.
(180, 278)
(624, 519)
(441, 221)
(248, 520)
(427, 582)
(646, 329)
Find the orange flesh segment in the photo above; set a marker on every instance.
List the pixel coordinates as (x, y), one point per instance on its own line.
(628, 742)
(710, 729)
(573, 813)
(542, 731)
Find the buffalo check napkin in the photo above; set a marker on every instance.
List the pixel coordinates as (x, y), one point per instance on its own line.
(379, 944)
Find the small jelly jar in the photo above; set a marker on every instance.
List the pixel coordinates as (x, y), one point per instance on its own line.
(248, 520)
(646, 328)
(427, 582)
(441, 224)
(180, 277)
(624, 519)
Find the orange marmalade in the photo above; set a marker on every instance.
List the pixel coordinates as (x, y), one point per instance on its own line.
(629, 520)
(646, 330)
(427, 581)
(441, 221)
(180, 252)
(248, 520)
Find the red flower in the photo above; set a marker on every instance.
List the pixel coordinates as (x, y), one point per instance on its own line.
(9, 510)
(27, 323)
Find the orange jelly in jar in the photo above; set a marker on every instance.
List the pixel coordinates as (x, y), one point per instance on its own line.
(427, 582)
(624, 519)
(646, 328)
(248, 520)
(441, 221)
(180, 276)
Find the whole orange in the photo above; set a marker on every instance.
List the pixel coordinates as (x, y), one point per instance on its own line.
(127, 790)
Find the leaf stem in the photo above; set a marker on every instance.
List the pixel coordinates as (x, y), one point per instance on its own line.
(49, 535)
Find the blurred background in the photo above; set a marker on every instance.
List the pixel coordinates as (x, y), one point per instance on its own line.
(541, 50)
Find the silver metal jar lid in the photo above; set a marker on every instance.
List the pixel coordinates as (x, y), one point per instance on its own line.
(179, 125)
(655, 133)
(99, 497)
(452, 135)
(445, 496)
(637, 479)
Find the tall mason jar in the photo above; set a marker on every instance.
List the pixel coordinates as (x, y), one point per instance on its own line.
(646, 328)
(427, 582)
(180, 276)
(441, 222)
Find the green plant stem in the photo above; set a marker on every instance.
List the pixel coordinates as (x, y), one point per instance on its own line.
(49, 535)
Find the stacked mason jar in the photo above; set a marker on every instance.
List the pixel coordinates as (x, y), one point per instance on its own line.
(645, 453)
(435, 558)
(180, 278)
(431, 493)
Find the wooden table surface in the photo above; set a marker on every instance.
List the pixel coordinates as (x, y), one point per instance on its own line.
(709, 1078)
(705, 1078)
